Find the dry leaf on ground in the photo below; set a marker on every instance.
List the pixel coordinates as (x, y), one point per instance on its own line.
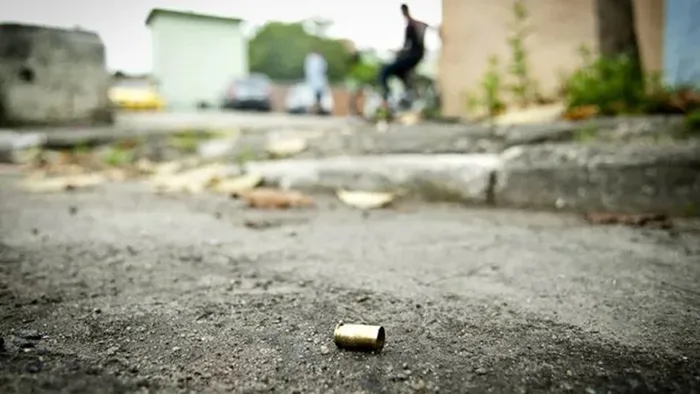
(116, 174)
(286, 147)
(365, 200)
(168, 168)
(58, 184)
(193, 181)
(531, 115)
(635, 220)
(266, 198)
(237, 184)
(581, 113)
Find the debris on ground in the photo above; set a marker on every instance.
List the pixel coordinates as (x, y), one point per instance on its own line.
(60, 184)
(18, 147)
(659, 221)
(359, 337)
(268, 198)
(217, 148)
(581, 112)
(192, 181)
(28, 334)
(167, 168)
(237, 184)
(285, 146)
(531, 115)
(409, 118)
(364, 199)
(261, 224)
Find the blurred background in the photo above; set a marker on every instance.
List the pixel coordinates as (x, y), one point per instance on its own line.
(249, 54)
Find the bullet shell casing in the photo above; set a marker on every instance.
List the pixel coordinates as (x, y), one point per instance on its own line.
(359, 337)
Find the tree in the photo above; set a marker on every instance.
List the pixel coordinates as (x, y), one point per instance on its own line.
(319, 26)
(617, 31)
(278, 50)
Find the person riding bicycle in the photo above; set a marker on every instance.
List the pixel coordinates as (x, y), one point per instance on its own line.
(407, 59)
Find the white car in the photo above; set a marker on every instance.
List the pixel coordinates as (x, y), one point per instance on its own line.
(300, 100)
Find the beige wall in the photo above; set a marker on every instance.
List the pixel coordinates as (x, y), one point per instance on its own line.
(650, 27)
(474, 30)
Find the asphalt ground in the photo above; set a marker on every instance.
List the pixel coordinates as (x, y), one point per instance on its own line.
(119, 290)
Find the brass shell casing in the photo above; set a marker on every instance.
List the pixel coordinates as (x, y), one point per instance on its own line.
(359, 337)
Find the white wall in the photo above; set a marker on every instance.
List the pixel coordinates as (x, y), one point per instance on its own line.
(195, 58)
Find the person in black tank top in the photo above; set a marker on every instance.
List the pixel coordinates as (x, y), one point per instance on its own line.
(408, 57)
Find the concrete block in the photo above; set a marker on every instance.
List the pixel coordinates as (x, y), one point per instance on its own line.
(52, 77)
(465, 178)
(15, 146)
(626, 178)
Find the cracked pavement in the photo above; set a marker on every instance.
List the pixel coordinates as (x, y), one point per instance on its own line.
(118, 290)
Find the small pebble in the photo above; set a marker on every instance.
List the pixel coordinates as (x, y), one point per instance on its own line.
(325, 350)
(481, 371)
(32, 335)
(34, 366)
(400, 376)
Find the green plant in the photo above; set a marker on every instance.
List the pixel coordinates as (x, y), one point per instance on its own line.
(188, 141)
(523, 88)
(490, 91)
(692, 122)
(492, 87)
(611, 84)
(80, 149)
(117, 156)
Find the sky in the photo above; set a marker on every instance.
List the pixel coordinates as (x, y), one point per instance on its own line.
(369, 23)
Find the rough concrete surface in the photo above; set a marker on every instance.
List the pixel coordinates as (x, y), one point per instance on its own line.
(12, 144)
(117, 290)
(610, 177)
(610, 129)
(52, 77)
(466, 178)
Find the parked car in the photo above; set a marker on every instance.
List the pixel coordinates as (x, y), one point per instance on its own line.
(300, 100)
(135, 94)
(250, 93)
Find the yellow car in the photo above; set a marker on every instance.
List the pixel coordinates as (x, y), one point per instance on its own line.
(135, 95)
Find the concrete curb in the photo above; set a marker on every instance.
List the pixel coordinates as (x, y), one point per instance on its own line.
(464, 178)
(13, 144)
(571, 177)
(605, 178)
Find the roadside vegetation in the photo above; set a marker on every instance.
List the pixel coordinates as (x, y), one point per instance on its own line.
(609, 83)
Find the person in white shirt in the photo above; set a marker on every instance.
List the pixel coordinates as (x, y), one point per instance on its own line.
(315, 71)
